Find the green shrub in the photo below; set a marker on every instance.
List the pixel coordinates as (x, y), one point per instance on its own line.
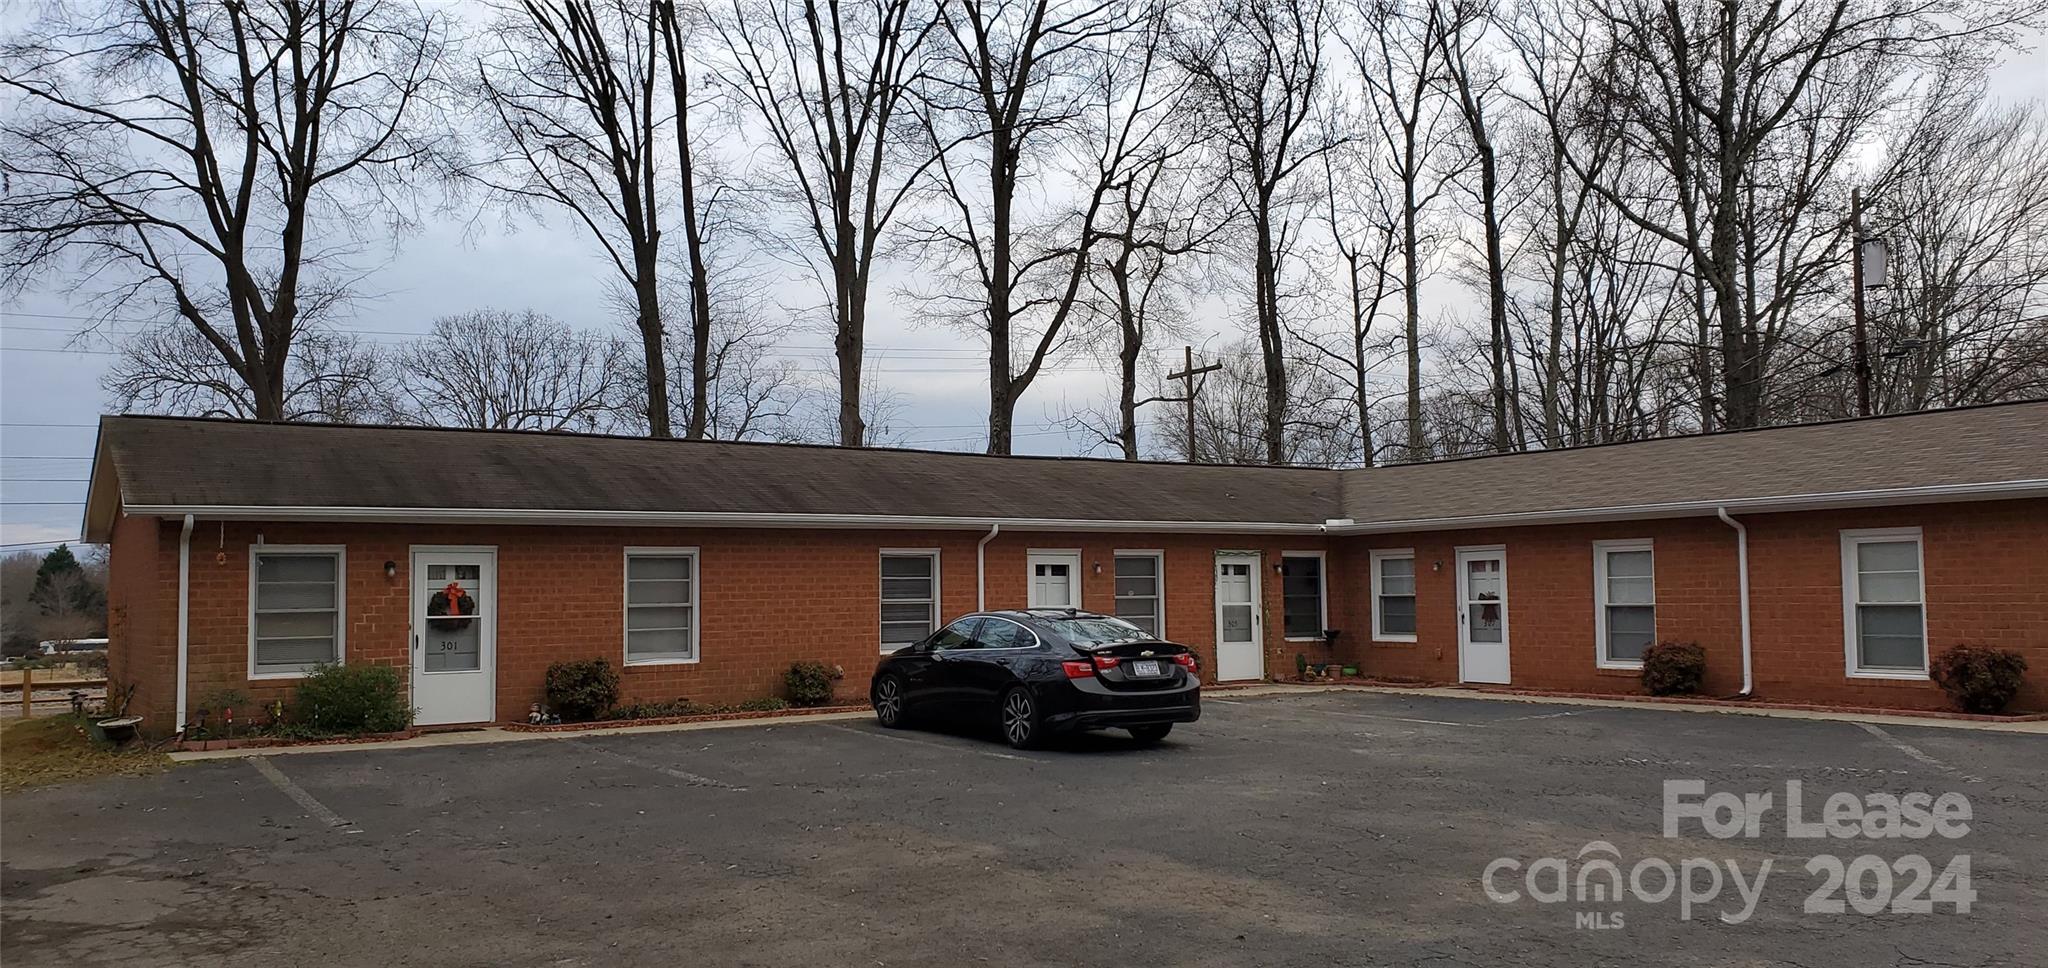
(583, 690)
(1980, 678)
(351, 700)
(1672, 668)
(765, 704)
(810, 683)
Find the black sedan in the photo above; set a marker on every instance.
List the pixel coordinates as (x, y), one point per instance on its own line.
(1037, 672)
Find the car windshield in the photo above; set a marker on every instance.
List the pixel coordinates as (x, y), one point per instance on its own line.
(1100, 630)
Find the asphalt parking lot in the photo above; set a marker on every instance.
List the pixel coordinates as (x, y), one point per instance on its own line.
(1334, 828)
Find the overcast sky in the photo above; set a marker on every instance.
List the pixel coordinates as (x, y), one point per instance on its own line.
(50, 391)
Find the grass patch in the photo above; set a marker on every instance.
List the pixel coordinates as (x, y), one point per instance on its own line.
(58, 749)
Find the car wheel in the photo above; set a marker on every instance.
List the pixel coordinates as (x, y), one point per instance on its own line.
(890, 708)
(1021, 727)
(1151, 734)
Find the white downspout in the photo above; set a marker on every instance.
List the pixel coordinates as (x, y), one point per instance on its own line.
(981, 567)
(1742, 576)
(184, 614)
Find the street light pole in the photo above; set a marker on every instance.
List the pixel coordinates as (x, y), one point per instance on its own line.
(1862, 358)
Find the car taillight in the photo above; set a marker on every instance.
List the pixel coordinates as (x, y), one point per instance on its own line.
(1187, 660)
(1106, 661)
(1078, 668)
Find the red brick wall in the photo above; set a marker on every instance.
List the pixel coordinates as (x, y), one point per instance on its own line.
(142, 602)
(1986, 580)
(768, 597)
(771, 597)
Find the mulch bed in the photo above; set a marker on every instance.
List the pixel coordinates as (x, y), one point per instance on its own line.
(248, 742)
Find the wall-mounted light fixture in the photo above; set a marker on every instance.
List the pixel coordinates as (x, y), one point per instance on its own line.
(1437, 565)
(391, 569)
(1098, 566)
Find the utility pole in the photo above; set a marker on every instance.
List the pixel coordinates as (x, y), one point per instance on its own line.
(1862, 358)
(1188, 396)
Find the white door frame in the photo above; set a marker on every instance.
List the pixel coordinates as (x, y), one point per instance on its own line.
(1472, 552)
(1071, 557)
(487, 634)
(1257, 592)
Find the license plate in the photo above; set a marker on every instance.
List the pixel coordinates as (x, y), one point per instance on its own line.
(1145, 667)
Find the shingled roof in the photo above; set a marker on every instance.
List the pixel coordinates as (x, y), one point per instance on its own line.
(2000, 449)
(252, 469)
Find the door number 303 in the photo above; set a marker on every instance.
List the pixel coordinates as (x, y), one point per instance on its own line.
(1872, 885)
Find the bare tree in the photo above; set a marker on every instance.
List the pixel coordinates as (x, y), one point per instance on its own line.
(331, 376)
(570, 89)
(1363, 223)
(698, 210)
(829, 84)
(1460, 28)
(1750, 110)
(1260, 74)
(1395, 54)
(1963, 317)
(220, 162)
(1012, 82)
(497, 370)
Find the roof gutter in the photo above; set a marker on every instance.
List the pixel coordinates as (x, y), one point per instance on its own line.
(1742, 577)
(1992, 490)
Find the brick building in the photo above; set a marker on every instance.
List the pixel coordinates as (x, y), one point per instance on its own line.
(244, 553)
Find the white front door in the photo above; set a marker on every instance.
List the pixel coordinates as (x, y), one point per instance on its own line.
(1483, 615)
(454, 636)
(1055, 579)
(1240, 639)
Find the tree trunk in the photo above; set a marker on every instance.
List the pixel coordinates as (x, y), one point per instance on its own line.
(1002, 400)
(1271, 349)
(1128, 350)
(849, 342)
(693, 230)
(1411, 274)
(649, 305)
(1359, 326)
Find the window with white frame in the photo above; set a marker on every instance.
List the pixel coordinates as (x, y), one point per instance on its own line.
(1624, 601)
(661, 605)
(295, 609)
(1140, 598)
(1301, 595)
(1884, 612)
(1393, 595)
(910, 597)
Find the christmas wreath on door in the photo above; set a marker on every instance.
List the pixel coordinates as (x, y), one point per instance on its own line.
(451, 601)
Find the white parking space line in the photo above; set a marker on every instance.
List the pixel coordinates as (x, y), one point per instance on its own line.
(686, 776)
(1914, 752)
(1520, 719)
(299, 796)
(952, 747)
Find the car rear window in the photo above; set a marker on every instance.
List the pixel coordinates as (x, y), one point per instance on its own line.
(1099, 631)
